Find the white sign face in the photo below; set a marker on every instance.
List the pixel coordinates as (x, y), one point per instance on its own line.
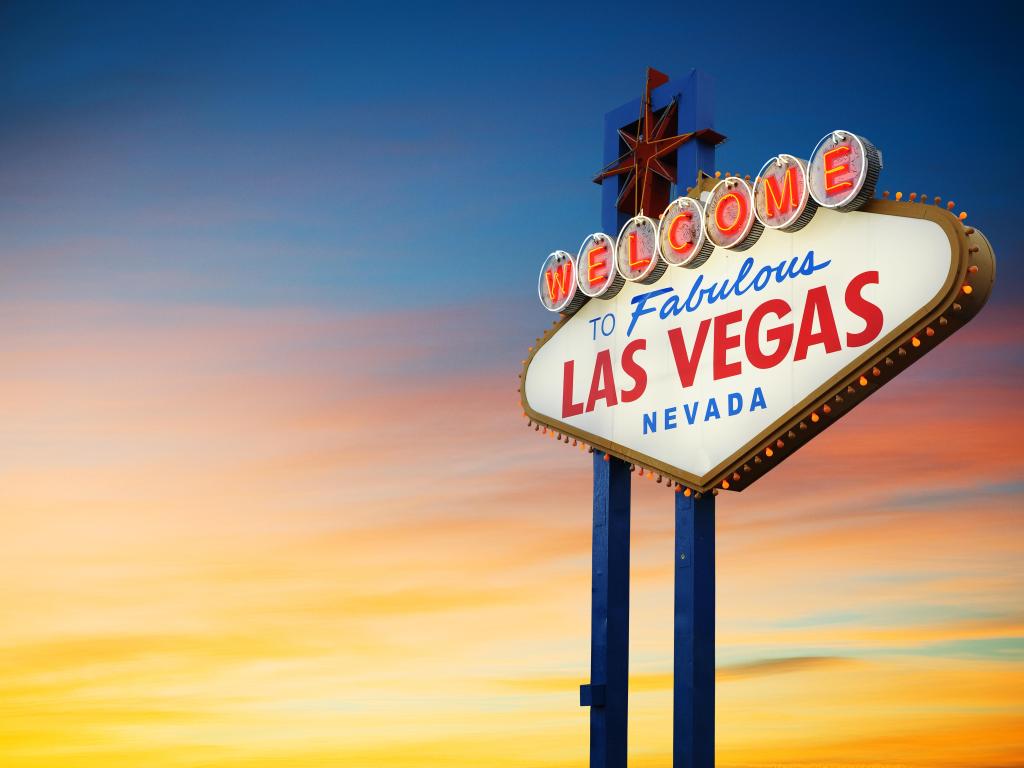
(693, 370)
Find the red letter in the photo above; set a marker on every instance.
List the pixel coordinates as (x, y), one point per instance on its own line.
(602, 386)
(818, 304)
(642, 263)
(558, 280)
(593, 265)
(783, 334)
(686, 365)
(831, 162)
(741, 213)
(673, 232)
(776, 199)
(864, 309)
(723, 343)
(634, 370)
(569, 408)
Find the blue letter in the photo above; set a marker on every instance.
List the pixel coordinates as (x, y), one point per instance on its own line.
(670, 307)
(735, 403)
(695, 293)
(651, 422)
(757, 401)
(670, 418)
(808, 267)
(639, 311)
(766, 273)
(691, 416)
(712, 408)
(745, 267)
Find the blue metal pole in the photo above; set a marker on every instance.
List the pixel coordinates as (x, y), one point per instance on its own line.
(607, 692)
(693, 715)
(694, 685)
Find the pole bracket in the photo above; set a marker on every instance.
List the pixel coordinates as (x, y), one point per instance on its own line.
(592, 695)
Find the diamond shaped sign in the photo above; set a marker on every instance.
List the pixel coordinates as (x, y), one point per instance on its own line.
(710, 372)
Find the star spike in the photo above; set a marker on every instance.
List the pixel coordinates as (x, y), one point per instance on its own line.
(627, 189)
(646, 174)
(629, 139)
(654, 80)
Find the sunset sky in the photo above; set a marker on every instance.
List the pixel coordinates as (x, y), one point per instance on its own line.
(267, 497)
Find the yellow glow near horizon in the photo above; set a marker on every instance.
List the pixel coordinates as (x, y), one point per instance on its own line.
(216, 561)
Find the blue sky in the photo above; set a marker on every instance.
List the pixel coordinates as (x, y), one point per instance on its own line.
(274, 156)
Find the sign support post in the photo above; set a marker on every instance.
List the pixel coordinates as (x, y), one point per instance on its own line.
(607, 694)
(693, 683)
(694, 666)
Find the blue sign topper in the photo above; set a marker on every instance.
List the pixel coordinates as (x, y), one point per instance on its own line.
(671, 115)
(639, 178)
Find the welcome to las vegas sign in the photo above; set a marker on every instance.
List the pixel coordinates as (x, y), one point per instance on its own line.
(707, 346)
